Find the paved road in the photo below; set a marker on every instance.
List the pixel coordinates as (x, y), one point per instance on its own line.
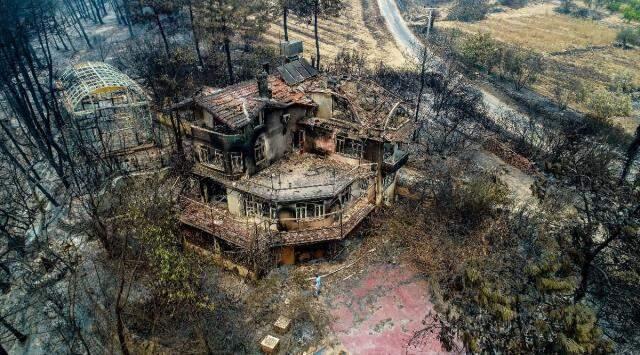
(401, 32)
(407, 40)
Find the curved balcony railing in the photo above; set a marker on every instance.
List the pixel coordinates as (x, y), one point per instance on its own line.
(274, 192)
(207, 135)
(215, 219)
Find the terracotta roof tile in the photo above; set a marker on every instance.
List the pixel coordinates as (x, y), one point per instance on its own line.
(238, 104)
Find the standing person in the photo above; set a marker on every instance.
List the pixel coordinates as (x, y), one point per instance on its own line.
(316, 291)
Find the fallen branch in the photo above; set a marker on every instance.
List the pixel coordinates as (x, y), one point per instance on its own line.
(348, 277)
(343, 267)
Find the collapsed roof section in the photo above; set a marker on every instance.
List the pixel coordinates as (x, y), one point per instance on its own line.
(84, 81)
(360, 105)
(366, 109)
(372, 105)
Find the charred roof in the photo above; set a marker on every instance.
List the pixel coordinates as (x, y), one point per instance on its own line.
(366, 109)
(238, 104)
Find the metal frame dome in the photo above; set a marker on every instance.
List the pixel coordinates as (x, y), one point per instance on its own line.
(94, 78)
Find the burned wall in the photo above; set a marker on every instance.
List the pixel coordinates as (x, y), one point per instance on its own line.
(373, 150)
(273, 128)
(319, 140)
(277, 131)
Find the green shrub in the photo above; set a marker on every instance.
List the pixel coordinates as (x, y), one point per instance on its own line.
(623, 82)
(604, 104)
(522, 67)
(628, 36)
(631, 10)
(480, 198)
(581, 91)
(480, 51)
(613, 5)
(514, 4)
(565, 7)
(469, 10)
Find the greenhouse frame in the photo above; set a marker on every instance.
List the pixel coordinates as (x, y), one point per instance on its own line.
(107, 108)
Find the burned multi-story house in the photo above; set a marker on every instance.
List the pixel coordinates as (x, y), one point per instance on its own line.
(107, 111)
(291, 161)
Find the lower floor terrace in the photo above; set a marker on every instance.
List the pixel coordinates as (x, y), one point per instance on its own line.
(241, 231)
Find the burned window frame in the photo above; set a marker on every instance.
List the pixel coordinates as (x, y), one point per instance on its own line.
(301, 207)
(312, 210)
(257, 207)
(218, 158)
(353, 148)
(260, 118)
(237, 162)
(202, 152)
(260, 150)
(320, 207)
(297, 139)
(214, 157)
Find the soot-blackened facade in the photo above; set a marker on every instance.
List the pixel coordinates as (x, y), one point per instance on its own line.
(291, 159)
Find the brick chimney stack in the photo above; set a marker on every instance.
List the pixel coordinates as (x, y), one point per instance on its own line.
(263, 82)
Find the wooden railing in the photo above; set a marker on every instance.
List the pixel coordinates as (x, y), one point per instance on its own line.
(218, 221)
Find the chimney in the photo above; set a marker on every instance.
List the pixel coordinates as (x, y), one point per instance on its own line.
(263, 84)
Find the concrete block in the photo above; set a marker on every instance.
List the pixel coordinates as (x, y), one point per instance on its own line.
(282, 325)
(269, 344)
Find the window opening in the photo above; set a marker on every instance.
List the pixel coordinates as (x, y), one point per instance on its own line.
(259, 150)
(203, 154)
(349, 147)
(301, 211)
(237, 165)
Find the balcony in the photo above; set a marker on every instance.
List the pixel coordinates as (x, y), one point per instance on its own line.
(395, 160)
(217, 138)
(214, 219)
(297, 177)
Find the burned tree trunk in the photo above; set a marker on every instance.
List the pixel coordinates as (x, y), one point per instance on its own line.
(97, 11)
(176, 127)
(16, 333)
(78, 22)
(26, 173)
(164, 36)
(316, 10)
(423, 67)
(227, 51)
(285, 13)
(127, 14)
(195, 35)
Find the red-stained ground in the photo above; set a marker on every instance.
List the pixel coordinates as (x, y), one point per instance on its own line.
(379, 311)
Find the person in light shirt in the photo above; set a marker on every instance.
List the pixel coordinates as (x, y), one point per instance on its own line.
(316, 291)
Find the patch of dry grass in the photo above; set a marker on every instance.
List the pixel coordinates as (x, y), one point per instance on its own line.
(348, 31)
(577, 48)
(541, 29)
